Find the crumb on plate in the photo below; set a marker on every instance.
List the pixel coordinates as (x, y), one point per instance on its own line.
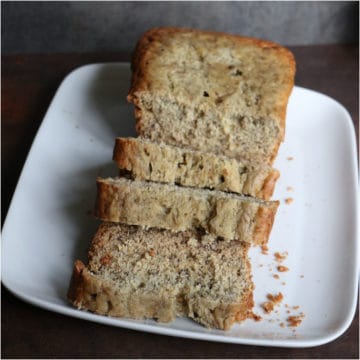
(295, 320)
(264, 249)
(268, 306)
(282, 268)
(275, 298)
(279, 257)
(256, 317)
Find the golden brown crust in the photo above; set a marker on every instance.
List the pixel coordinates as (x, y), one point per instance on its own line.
(102, 204)
(76, 290)
(264, 221)
(123, 147)
(268, 188)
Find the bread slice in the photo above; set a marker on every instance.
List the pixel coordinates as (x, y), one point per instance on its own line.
(132, 274)
(230, 216)
(147, 160)
(212, 91)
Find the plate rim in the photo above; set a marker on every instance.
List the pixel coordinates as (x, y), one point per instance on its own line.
(150, 328)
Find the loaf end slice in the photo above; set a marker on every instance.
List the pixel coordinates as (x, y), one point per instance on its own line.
(147, 160)
(131, 274)
(176, 208)
(212, 91)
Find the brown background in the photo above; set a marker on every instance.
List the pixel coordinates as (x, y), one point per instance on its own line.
(28, 84)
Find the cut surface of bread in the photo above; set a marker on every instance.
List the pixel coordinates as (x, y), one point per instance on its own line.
(158, 162)
(148, 204)
(211, 91)
(132, 274)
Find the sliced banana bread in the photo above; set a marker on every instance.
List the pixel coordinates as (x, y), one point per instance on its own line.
(212, 91)
(132, 274)
(147, 160)
(148, 204)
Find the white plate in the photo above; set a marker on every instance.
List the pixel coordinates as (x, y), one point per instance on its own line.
(48, 225)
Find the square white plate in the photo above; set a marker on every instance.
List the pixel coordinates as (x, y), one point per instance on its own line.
(48, 224)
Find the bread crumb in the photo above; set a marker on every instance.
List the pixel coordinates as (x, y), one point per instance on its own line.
(289, 200)
(268, 306)
(282, 325)
(283, 283)
(290, 158)
(264, 249)
(256, 317)
(289, 188)
(295, 320)
(279, 257)
(296, 307)
(282, 268)
(275, 298)
(276, 276)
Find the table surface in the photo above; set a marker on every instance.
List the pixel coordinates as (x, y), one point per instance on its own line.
(28, 84)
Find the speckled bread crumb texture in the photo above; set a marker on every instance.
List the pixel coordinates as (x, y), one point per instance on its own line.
(198, 276)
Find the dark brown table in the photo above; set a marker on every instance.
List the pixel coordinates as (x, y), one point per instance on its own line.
(28, 85)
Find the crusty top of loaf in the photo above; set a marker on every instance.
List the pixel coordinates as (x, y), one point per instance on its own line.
(215, 69)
